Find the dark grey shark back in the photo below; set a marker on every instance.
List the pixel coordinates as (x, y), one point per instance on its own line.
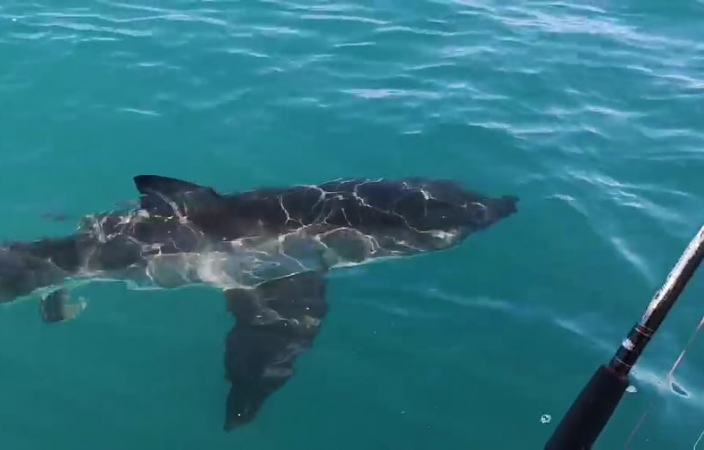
(415, 204)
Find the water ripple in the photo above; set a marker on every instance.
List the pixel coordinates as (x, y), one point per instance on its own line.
(591, 111)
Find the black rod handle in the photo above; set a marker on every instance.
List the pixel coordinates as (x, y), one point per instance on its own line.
(589, 413)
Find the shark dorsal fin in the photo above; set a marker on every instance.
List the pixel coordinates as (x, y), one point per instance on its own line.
(157, 184)
(163, 195)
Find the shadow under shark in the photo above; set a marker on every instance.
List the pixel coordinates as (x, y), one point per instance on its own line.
(267, 249)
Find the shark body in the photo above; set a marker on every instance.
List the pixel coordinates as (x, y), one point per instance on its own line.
(268, 250)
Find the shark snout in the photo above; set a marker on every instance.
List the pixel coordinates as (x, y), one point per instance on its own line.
(505, 206)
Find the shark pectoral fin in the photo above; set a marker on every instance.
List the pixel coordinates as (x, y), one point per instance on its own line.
(276, 323)
(56, 307)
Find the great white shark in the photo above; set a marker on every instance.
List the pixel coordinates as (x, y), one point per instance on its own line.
(267, 249)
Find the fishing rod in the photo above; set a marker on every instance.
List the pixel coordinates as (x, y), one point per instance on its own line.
(591, 410)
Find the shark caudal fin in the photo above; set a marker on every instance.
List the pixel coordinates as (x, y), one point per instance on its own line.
(276, 323)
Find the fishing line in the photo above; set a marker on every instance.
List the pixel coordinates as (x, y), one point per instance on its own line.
(592, 409)
(698, 440)
(669, 380)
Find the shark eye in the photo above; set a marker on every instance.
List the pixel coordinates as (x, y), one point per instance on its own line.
(480, 212)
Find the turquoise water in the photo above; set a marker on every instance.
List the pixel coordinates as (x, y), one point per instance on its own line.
(590, 113)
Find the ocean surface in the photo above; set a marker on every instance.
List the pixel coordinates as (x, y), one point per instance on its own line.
(590, 112)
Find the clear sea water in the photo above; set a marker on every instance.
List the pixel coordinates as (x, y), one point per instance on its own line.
(590, 112)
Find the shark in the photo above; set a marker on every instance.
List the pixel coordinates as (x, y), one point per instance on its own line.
(267, 249)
